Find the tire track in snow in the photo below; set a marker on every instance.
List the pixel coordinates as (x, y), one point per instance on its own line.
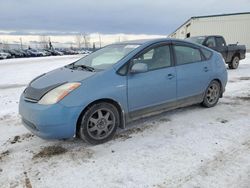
(214, 171)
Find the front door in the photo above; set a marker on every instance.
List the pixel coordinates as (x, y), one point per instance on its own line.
(155, 87)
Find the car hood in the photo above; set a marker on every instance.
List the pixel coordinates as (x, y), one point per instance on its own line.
(46, 82)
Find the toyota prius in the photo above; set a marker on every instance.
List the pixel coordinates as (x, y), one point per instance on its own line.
(92, 97)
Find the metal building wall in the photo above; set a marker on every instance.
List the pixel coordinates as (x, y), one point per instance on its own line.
(235, 28)
(181, 32)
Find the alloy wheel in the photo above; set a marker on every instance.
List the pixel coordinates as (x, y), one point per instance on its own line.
(213, 93)
(101, 123)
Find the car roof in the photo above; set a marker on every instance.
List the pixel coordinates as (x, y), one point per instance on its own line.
(152, 41)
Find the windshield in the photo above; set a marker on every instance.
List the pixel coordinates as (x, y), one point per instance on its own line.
(198, 40)
(107, 56)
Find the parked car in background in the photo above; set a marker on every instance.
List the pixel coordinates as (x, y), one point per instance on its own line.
(35, 53)
(42, 52)
(119, 83)
(54, 52)
(88, 52)
(46, 52)
(20, 51)
(4, 55)
(84, 52)
(68, 52)
(13, 53)
(80, 51)
(231, 53)
(29, 53)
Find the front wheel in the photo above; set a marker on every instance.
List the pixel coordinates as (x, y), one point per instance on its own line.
(212, 94)
(234, 64)
(99, 123)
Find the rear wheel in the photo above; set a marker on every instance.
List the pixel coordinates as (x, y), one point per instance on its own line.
(234, 64)
(212, 94)
(99, 123)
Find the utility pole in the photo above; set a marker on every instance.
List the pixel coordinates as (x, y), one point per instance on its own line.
(21, 42)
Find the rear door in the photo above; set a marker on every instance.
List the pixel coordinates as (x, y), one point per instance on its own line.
(155, 87)
(193, 71)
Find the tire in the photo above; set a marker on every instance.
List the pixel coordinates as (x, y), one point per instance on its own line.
(99, 123)
(212, 94)
(234, 64)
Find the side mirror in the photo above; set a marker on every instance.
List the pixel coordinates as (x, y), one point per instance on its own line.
(139, 68)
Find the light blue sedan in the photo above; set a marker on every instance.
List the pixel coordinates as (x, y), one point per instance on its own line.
(95, 95)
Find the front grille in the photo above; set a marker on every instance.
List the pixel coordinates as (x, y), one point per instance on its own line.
(29, 124)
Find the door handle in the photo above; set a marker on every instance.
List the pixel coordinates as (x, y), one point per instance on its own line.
(206, 69)
(170, 76)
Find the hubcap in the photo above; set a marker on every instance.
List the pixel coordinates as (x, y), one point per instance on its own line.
(213, 93)
(101, 123)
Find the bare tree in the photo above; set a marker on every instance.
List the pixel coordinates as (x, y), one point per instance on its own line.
(44, 41)
(78, 40)
(5, 45)
(86, 39)
(1, 45)
(21, 43)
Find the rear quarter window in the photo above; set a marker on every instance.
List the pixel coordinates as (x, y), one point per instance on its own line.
(207, 54)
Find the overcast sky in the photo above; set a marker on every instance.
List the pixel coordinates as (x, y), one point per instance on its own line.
(109, 16)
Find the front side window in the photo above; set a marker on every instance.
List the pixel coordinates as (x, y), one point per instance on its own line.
(186, 54)
(155, 58)
(107, 56)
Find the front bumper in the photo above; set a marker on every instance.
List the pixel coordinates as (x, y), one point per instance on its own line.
(49, 121)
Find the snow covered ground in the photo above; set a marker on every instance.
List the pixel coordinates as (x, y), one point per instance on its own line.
(188, 147)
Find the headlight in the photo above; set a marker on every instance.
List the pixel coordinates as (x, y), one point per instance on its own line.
(58, 93)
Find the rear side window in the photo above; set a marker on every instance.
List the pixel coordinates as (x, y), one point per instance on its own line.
(187, 54)
(207, 54)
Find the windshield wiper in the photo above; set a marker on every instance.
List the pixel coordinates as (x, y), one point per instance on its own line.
(91, 69)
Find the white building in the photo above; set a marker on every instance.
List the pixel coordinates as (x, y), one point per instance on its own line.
(233, 27)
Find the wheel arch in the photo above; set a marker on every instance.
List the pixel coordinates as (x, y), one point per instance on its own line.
(107, 100)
